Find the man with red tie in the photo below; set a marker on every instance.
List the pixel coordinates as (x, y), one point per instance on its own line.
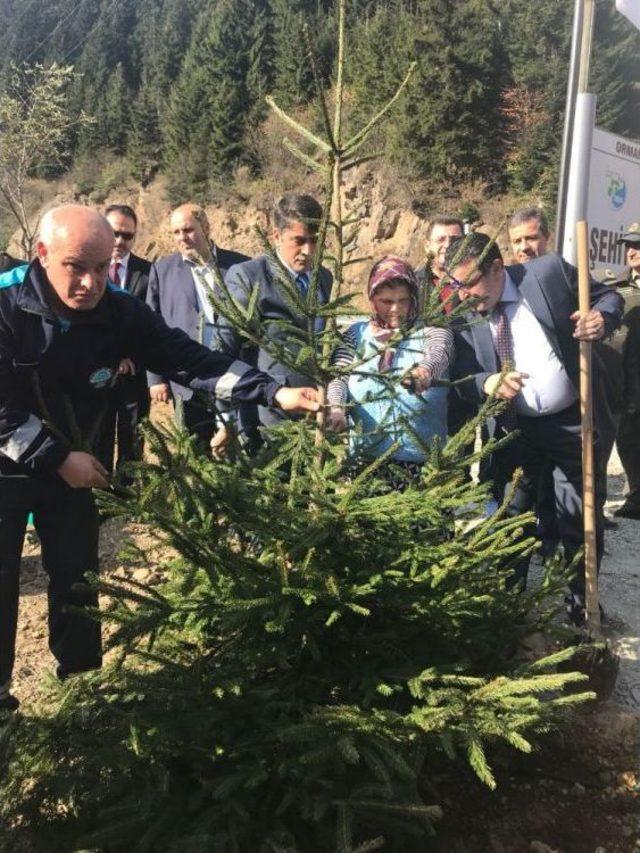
(532, 332)
(130, 401)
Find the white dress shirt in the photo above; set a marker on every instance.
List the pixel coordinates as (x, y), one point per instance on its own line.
(548, 389)
(203, 289)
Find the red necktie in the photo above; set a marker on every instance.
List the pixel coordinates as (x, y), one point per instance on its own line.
(504, 351)
(114, 273)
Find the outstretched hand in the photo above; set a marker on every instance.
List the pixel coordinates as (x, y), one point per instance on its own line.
(297, 400)
(589, 327)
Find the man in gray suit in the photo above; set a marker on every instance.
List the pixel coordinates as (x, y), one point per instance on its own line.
(176, 293)
(532, 331)
(296, 219)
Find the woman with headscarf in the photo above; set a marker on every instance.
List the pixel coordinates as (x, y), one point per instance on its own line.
(389, 395)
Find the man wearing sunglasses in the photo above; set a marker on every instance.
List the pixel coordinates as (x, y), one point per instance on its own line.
(130, 400)
(526, 353)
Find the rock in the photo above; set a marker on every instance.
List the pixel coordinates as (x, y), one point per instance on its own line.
(579, 789)
(541, 847)
(628, 779)
(387, 225)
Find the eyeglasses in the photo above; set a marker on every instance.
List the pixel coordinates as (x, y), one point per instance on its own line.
(126, 235)
(456, 284)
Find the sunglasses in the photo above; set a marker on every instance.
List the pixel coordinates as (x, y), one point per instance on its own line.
(126, 235)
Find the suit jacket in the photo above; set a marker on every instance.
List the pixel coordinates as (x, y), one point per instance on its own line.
(137, 279)
(172, 294)
(272, 308)
(550, 286)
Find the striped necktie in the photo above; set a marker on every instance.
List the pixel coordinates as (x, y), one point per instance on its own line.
(504, 351)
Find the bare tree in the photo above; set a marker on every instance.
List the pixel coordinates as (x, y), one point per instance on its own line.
(35, 134)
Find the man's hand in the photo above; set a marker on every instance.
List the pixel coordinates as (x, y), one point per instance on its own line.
(418, 379)
(160, 393)
(505, 387)
(336, 419)
(126, 366)
(297, 400)
(589, 327)
(83, 471)
(219, 442)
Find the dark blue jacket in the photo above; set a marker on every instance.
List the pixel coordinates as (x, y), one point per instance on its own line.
(56, 375)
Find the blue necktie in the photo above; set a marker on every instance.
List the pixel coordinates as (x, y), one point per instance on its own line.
(302, 282)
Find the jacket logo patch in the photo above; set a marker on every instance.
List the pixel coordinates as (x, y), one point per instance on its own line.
(101, 377)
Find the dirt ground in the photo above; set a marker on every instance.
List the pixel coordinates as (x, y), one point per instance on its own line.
(580, 793)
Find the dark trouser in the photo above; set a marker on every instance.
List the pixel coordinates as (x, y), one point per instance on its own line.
(551, 441)
(192, 416)
(606, 418)
(628, 441)
(68, 531)
(128, 406)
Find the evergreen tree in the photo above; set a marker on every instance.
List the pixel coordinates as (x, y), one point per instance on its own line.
(293, 80)
(144, 140)
(164, 33)
(539, 68)
(615, 71)
(115, 116)
(211, 103)
(449, 116)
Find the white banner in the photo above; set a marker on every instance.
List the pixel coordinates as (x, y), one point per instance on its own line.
(631, 10)
(614, 196)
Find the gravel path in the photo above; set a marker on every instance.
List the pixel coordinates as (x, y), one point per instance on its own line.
(620, 592)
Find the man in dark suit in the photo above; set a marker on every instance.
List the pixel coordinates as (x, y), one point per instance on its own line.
(130, 400)
(296, 219)
(176, 293)
(532, 331)
(529, 237)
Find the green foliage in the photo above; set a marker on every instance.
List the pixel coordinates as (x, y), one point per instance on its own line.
(486, 102)
(615, 71)
(293, 81)
(448, 120)
(533, 102)
(316, 647)
(144, 141)
(216, 90)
